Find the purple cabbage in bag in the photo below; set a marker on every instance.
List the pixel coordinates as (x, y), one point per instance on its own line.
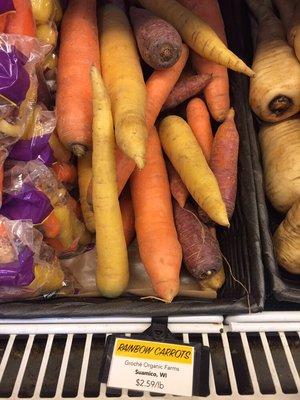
(14, 79)
(18, 272)
(37, 148)
(6, 6)
(28, 203)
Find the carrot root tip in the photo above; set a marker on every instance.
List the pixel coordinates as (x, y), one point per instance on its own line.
(140, 162)
(79, 150)
(280, 104)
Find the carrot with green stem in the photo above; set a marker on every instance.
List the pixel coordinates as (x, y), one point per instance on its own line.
(79, 50)
(112, 261)
(21, 22)
(196, 33)
(274, 94)
(124, 80)
(217, 91)
(159, 248)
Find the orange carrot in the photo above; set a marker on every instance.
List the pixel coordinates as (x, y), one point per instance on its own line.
(59, 151)
(3, 20)
(159, 86)
(157, 239)
(178, 188)
(217, 91)
(79, 50)
(199, 120)
(21, 22)
(127, 212)
(51, 226)
(124, 168)
(65, 172)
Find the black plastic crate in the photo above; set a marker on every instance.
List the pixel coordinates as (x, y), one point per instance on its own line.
(241, 244)
(282, 285)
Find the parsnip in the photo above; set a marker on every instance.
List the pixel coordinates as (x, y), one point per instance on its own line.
(183, 150)
(124, 80)
(112, 261)
(280, 147)
(274, 89)
(287, 240)
(289, 11)
(286, 10)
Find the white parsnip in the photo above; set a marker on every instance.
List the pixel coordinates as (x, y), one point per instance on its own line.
(274, 89)
(287, 240)
(280, 147)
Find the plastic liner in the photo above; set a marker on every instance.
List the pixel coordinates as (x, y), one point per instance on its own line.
(240, 245)
(284, 286)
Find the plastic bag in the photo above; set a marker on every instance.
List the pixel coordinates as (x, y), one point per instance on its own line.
(19, 56)
(6, 6)
(47, 15)
(34, 144)
(81, 272)
(28, 267)
(32, 192)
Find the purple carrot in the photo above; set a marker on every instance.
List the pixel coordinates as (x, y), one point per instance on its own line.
(201, 252)
(224, 160)
(159, 43)
(186, 87)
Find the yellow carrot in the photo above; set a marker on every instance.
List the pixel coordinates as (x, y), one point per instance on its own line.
(196, 33)
(112, 261)
(124, 80)
(184, 152)
(84, 177)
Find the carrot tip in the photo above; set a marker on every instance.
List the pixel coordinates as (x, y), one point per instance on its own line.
(140, 162)
(230, 114)
(167, 290)
(79, 150)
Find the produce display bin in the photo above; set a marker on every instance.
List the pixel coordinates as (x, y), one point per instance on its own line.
(244, 289)
(283, 285)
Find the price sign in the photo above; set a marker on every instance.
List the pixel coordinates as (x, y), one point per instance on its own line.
(152, 366)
